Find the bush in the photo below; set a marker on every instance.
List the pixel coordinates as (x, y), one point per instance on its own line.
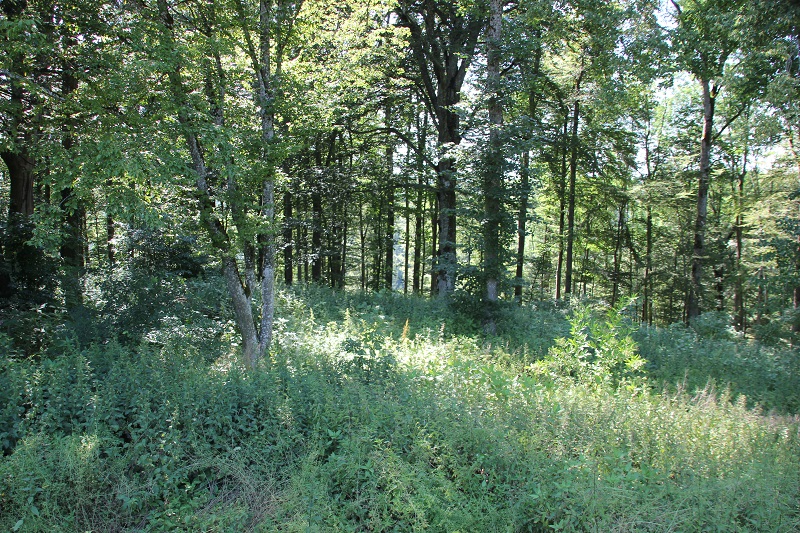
(370, 417)
(599, 352)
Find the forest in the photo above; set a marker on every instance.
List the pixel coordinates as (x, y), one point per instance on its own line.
(400, 265)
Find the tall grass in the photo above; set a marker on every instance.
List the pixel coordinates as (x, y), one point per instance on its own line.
(384, 413)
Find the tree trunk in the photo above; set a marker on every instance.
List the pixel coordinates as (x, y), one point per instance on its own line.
(242, 310)
(647, 315)
(20, 174)
(362, 234)
(341, 276)
(419, 274)
(698, 253)
(616, 273)
(252, 346)
(522, 218)
(443, 40)
(796, 293)
(446, 254)
(301, 247)
(493, 174)
(573, 170)
(435, 245)
(110, 233)
(288, 266)
(316, 236)
(388, 272)
(416, 286)
(407, 242)
(738, 291)
(17, 157)
(562, 206)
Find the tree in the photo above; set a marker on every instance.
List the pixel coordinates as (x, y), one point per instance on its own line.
(443, 37)
(705, 38)
(198, 126)
(494, 166)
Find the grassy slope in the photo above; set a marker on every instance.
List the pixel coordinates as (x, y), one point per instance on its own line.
(381, 413)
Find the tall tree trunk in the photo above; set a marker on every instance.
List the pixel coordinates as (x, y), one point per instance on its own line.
(17, 156)
(240, 298)
(20, 174)
(738, 290)
(110, 229)
(316, 236)
(435, 244)
(693, 307)
(522, 218)
(379, 251)
(796, 292)
(362, 234)
(573, 170)
(419, 275)
(562, 206)
(242, 310)
(288, 266)
(416, 286)
(616, 275)
(343, 249)
(407, 242)
(443, 40)
(522, 215)
(647, 315)
(446, 201)
(493, 175)
(388, 266)
(301, 246)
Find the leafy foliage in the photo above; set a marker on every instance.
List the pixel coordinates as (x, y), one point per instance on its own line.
(599, 352)
(374, 416)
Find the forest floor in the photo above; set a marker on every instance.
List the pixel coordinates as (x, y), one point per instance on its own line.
(390, 413)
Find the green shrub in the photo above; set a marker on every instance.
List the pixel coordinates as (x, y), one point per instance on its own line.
(600, 351)
(373, 416)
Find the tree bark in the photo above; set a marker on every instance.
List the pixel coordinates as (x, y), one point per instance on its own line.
(17, 157)
(20, 175)
(493, 176)
(362, 234)
(647, 314)
(316, 236)
(616, 273)
(693, 307)
(522, 215)
(407, 242)
(419, 217)
(435, 245)
(416, 286)
(443, 39)
(288, 248)
(562, 205)
(73, 248)
(253, 342)
(388, 272)
(739, 320)
(573, 170)
(522, 218)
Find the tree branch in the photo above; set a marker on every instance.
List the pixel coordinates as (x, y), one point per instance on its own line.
(728, 122)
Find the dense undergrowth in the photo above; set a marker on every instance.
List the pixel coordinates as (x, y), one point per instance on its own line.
(385, 413)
